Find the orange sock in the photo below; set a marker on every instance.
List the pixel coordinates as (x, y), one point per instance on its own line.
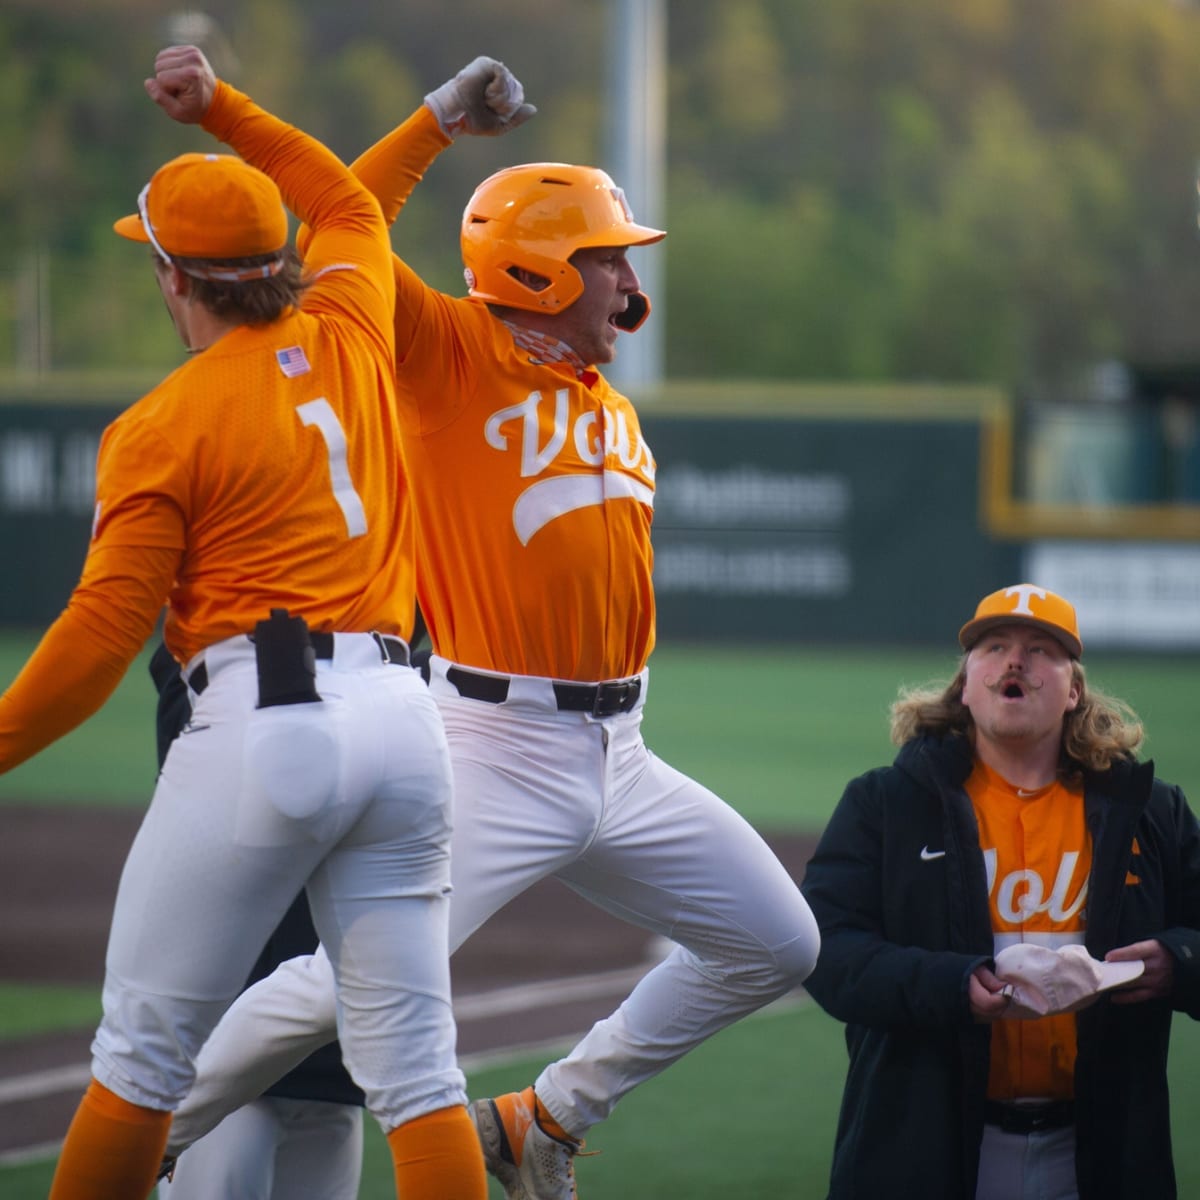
(437, 1157)
(113, 1148)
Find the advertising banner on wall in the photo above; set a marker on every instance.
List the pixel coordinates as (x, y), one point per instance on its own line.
(838, 530)
(1127, 595)
(841, 529)
(47, 497)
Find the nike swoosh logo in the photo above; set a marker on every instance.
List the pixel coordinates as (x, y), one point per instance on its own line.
(928, 855)
(190, 728)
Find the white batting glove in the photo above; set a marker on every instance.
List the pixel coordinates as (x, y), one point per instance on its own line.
(483, 98)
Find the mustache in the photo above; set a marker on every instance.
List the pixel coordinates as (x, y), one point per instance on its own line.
(997, 684)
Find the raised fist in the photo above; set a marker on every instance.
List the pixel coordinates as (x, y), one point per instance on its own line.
(183, 83)
(484, 98)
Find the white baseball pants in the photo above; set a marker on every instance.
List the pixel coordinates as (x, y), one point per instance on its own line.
(1035, 1166)
(349, 797)
(540, 792)
(275, 1148)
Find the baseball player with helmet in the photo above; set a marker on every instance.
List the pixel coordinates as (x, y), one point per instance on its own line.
(1010, 913)
(258, 493)
(533, 494)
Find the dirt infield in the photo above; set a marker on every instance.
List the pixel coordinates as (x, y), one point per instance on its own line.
(58, 876)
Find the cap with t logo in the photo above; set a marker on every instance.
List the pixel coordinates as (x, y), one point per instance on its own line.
(1028, 604)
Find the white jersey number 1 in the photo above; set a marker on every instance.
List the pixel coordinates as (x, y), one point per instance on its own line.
(318, 413)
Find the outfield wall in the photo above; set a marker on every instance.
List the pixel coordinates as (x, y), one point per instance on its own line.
(47, 495)
(849, 515)
(808, 514)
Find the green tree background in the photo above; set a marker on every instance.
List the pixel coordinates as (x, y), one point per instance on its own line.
(999, 190)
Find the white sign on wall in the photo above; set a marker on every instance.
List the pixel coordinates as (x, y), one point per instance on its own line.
(1126, 594)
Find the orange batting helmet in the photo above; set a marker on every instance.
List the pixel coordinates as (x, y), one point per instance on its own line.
(533, 218)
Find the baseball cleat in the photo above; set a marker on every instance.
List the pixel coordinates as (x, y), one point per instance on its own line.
(530, 1162)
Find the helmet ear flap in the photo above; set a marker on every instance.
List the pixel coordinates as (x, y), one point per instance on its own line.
(634, 317)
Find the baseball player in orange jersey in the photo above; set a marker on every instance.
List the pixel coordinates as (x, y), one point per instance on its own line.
(263, 479)
(533, 494)
(305, 1135)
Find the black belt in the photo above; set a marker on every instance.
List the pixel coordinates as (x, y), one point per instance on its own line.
(599, 699)
(391, 650)
(1029, 1118)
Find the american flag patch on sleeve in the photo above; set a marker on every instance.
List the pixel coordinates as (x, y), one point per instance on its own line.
(292, 361)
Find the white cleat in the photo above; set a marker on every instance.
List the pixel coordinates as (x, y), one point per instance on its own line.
(531, 1163)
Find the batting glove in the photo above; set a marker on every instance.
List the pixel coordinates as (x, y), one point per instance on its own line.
(483, 98)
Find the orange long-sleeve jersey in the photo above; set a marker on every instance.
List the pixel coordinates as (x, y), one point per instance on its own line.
(1039, 856)
(265, 472)
(533, 490)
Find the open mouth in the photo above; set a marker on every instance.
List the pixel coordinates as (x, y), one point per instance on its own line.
(1012, 690)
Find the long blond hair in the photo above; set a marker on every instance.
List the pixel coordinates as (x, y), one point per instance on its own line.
(1100, 730)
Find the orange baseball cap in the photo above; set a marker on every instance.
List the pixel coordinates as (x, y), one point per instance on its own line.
(1024, 604)
(208, 206)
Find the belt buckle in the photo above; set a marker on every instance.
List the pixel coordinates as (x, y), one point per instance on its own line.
(1051, 1117)
(617, 697)
(1024, 1119)
(392, 650)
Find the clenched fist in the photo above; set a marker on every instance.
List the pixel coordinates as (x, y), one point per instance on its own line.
(183, 83)
(483, 98)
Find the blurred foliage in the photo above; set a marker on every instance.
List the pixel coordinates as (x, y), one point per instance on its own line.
(997, 190)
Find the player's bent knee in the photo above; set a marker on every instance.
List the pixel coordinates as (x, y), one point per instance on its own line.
(797, 959)
(146, 1046)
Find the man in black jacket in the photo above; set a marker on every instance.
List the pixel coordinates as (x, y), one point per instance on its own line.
(1015, 815)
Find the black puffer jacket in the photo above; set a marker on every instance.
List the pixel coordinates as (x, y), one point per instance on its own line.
(902, 928)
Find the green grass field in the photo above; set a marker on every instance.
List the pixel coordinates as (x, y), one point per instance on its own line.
(792, 724)
(751, 1113)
